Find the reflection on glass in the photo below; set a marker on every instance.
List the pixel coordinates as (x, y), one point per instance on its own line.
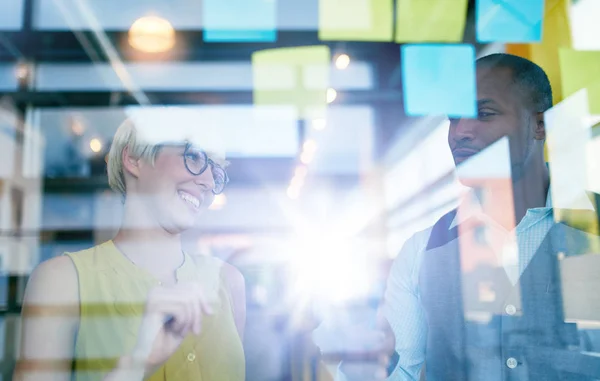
(361, 20)
(152, 34)
(384, 209)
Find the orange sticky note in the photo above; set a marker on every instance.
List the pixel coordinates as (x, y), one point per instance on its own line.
(556, 34)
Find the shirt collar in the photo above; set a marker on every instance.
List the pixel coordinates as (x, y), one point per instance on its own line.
(470, 206)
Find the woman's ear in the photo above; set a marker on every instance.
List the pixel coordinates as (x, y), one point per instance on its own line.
(539, 131)
(131, 165)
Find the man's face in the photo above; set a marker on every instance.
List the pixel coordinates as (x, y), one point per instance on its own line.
(502, 110)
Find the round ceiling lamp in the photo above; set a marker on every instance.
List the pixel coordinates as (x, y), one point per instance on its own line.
(152, 34)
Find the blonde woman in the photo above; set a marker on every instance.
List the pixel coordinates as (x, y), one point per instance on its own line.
(139, 307)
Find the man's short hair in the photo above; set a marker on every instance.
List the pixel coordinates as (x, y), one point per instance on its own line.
(529, 76)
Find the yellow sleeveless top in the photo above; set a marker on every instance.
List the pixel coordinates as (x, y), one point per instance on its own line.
(113, 292)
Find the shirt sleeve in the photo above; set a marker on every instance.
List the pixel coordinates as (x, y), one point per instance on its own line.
(402, 308)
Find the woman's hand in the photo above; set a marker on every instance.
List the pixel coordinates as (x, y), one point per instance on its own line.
(171, 314)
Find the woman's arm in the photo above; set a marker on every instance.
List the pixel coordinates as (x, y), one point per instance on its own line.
(237, 289)
(50, 318)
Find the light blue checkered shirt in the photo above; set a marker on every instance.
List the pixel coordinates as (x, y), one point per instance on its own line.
(402, 305)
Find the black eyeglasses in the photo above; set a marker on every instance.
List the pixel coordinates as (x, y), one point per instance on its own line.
(196, 162)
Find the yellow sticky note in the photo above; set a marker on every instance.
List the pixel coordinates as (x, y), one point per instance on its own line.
(430, 21)
(579, 70)
(556, 35)
(356, 20)
(293, 76)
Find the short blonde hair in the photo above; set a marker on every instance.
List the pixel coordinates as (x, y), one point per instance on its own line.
(126, 137)
(140, 135)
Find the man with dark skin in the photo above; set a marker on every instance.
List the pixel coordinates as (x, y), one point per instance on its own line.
(425, 301)
(507, 108)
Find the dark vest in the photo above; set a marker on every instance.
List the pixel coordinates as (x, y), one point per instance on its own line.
(525, 338)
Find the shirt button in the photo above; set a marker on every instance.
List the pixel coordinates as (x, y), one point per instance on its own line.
(511, 363)
(191, 357)
(510, 309)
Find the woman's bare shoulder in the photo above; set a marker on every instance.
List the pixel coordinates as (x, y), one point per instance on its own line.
(232, 276)
(53, 281)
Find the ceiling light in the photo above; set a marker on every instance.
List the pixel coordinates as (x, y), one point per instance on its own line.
(22, 71)
(95, 145)
(331, 95)
(152, 34)
(77, 127)
(342, 61)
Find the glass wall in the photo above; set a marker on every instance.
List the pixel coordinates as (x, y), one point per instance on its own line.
(299, 190)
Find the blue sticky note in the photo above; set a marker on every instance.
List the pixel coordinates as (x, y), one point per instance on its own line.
(439, 79)
(513, 21)
(239, 20)
(11, 17)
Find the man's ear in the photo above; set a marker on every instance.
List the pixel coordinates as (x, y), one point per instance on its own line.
(131, 165)
(539, 132)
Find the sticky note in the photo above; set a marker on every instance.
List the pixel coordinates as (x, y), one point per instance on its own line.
(556, 35)
(579, 70)
(11, 17)
(430, 21)
(356, 20)
(593, 168)
(587, 28)
(439, 79)
(293, 76)
(568, 133)
(509, 20)
(239, 20)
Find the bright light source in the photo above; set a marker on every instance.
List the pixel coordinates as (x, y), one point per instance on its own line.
(22, 71)
(331, 95)
(301, 171)
(309, 146)
(307, 157)
(297, 181)
(293, 192)
(218, 202)
(77, 127)
(329, 268)
(319, 124)
(95, 145)
(152, 34)
(342, 61)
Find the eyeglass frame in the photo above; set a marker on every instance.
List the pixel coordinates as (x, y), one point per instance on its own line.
(207, 161)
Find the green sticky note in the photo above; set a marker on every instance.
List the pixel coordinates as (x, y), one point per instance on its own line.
(430, 21)
(581, 69)
(356, 20)
(293, 76)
